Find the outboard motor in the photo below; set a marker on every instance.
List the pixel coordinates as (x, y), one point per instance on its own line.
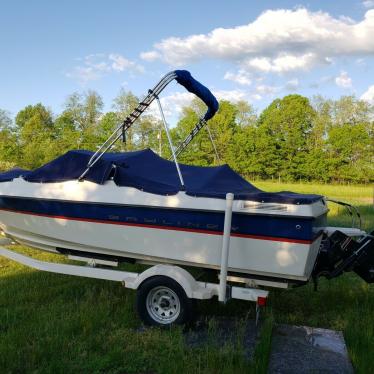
(340, 253)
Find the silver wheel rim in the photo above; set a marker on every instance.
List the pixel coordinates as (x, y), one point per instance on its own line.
(163, 305)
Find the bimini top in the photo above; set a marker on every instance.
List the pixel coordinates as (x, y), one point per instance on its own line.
(148, 172)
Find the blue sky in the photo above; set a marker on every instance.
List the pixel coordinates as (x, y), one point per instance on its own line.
(252, 50)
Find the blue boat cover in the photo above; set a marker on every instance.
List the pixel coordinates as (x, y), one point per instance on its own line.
(148, 172)
(11, 174)
(185, 78)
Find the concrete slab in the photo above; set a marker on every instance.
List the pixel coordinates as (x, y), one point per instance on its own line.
(301, 349)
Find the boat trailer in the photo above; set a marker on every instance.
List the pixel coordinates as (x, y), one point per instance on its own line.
(172, 286)
(164, 292)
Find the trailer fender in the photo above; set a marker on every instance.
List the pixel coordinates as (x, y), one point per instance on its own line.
(183, 277)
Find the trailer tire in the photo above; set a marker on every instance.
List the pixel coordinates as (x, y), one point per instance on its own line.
(161, 301)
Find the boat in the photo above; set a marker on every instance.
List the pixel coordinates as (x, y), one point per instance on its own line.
(138, 207)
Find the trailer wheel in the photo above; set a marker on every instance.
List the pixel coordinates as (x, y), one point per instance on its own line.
(161, 301)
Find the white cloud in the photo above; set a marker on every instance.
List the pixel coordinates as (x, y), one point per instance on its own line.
(241, 77)
(121, 63)
(255, 94)
(92, 68)
(150, 56)
(282, 63)
(264, 89)
(277, 41)
(368, 3)
(171, 104)
(343, 80)
(84, 74)
(231, 95)
(95, 66)
(256, 97)
(292, 84)
(368, 95)
(360, 62)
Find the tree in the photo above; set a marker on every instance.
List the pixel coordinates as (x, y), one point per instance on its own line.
(350, 110)
(147, 132)
(8, 142)
(108, 123)
(35, 132)
(244, 148)
(123, 104)
(198, 152)
(284, 127)
(351, 151)
(74, 110)
(322, 121)
(293, 138)
(37, 113)
(83, 112)
(246, 115)
(222, 127)
(92, 109)
(67, 135)
(5, 120)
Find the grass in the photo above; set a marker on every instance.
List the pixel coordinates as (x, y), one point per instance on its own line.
(361, 196)
(62, 324)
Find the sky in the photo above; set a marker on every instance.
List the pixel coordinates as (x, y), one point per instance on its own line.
(241, 50)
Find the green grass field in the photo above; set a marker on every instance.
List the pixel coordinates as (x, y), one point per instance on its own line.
(61, 324)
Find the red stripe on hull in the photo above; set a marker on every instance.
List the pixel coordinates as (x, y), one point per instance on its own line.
(158, 227)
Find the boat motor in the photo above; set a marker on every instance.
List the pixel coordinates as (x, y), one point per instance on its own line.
(341, 253)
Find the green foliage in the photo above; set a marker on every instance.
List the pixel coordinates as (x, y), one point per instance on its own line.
(199, 151)
(351, 151)
(5, 120)
(124, 103)
(284, 127)
(66, 132)
(349, 110)
(35, 135)
(108, 123)
(292, 139)
(8, 145)
(245, 114)
(80, 120)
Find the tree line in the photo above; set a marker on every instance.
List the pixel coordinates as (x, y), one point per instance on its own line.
(294, 138)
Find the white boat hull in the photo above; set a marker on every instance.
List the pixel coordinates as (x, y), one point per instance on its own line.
(280, 259)
(268, 255)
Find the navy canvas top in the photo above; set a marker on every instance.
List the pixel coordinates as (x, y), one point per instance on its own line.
(185, 78)
(148, 172)
(11, 174)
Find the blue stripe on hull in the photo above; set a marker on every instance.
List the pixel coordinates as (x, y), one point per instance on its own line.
(210, 221)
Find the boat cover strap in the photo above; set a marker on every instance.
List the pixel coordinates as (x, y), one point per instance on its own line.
(148, 172)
